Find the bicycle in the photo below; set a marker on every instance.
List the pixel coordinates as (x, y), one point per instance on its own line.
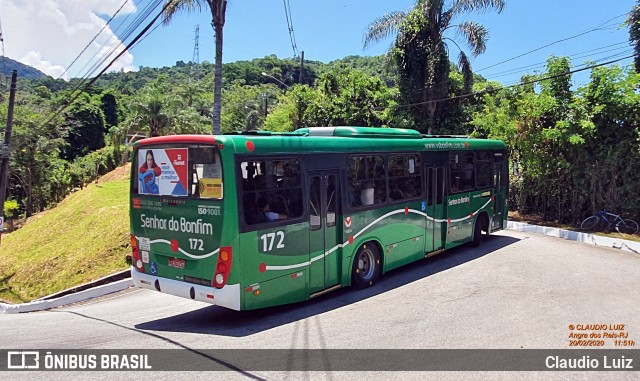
(622, 225)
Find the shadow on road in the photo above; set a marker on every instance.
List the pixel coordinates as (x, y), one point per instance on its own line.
(221, 321)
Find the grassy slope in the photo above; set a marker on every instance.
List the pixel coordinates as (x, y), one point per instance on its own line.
(84, 238)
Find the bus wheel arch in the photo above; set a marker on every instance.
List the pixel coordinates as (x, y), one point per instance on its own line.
(481, 224)
(366, 265)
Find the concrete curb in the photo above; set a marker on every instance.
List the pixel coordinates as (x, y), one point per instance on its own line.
(39, 305)
(593, 239)
(124, 274)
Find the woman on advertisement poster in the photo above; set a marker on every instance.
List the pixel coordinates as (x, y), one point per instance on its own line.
(148, 173)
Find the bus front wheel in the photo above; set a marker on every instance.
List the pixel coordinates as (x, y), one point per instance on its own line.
(366, 266)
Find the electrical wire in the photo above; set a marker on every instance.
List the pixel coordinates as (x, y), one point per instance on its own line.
(93, 39)
(4, 68)
(292, 37)
(82, 84)
(576, 56)
(554, 42)
(88, 84)
(131, 28)
(521, 83)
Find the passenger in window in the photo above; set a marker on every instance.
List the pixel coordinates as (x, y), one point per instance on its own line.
(294, 200)
(396, 193)
(367, 193)
(468, 171)
(352, 196)
(279, 168)
(455, 184)
(259, 182)
(250, 212)
(290, 176)
(264, 212)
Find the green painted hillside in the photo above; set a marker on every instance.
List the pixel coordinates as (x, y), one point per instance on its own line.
(83, 238)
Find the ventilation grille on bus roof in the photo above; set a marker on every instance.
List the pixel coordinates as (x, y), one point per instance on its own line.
(361, 132)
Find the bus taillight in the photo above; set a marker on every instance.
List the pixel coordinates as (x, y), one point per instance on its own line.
(223, 267)
(137, 259)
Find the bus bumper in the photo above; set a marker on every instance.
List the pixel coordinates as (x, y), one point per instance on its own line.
(228, 296)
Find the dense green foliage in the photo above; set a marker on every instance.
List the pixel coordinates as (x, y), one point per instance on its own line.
(340, 97)
(573, 152)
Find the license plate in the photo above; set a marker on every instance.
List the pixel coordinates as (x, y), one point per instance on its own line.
(176, 262)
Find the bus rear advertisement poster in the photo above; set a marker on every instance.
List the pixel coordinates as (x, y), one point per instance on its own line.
(163, 172)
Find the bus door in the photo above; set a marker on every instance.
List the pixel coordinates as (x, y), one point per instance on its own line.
(435, 209)
(499, 190)
(324, 198)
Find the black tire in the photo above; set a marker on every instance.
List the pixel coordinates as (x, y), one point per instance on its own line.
(366, 266)
(590, 223)
(627, 226)
(481, 224)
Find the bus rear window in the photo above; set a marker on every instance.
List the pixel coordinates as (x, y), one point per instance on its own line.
(193, 171)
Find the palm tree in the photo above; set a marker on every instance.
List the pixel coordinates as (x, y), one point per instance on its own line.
(421, 52)
(150, 109)
(218, 9)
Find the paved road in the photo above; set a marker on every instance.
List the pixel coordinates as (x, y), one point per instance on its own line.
(516, 291)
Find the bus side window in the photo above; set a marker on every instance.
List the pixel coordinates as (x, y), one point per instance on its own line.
(332, 200)
(206, 172)
(405, 177)
(439, 185)
(272, 188)
(462, 171)
(483, 169)
(429, 186)
(366, 179)
(315, 220)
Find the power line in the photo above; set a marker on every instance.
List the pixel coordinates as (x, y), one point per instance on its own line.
(131, 28)
(94, 38)
(145, 36)
(139, 36)
(578, 55)
(113, 48)
(292, 37)
(4, 68)
(554, 42)
(522, 83)
(538, 65)
(597, 62)
(541, 65)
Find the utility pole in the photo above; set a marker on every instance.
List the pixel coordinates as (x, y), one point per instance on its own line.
(265, 97)
(301, 67)
(4, 172)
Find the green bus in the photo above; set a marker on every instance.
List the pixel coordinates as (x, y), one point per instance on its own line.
(256, 219)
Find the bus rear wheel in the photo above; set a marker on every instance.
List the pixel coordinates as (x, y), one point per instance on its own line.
(366, 266)
(482, 224)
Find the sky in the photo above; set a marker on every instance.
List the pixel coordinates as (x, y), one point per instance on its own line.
(49, 34)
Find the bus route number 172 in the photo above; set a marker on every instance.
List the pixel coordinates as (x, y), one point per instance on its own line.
(268, 239)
